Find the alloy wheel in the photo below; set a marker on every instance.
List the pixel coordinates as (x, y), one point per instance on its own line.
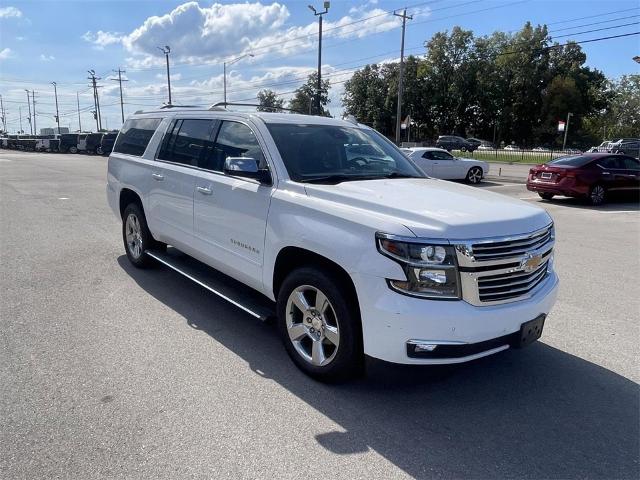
(597, 195)
(312, 325)
(474, 175)
(133, 233)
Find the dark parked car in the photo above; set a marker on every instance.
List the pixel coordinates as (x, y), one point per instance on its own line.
(627, 146)
(68, 143)
(93, 142)
(590, 175)
(106, 145)
(451, 142)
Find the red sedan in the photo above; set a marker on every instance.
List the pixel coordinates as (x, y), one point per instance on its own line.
(590, 176)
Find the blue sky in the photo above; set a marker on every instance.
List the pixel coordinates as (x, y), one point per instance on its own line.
(45, 41)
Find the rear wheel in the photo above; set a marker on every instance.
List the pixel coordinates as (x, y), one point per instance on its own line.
(474, 175)
(136, 236)
(319, 326)
(73, 150)
(546, 196)
(597, 195)
(99, 151)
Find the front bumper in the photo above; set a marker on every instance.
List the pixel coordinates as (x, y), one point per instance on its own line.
(391, 320)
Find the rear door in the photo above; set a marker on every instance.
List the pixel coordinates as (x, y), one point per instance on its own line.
(174, 177)
(613, 172)
(230, 213)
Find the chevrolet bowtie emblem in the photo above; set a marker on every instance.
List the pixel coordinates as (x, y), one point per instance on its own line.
(530, 262)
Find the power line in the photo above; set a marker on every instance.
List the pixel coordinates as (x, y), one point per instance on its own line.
(596, 30)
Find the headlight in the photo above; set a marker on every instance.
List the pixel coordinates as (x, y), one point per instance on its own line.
(430, 268)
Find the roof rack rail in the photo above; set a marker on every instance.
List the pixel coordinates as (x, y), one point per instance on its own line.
(170, 105)
(223, 105)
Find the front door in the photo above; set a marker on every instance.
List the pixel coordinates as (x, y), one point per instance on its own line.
(230, 213)
(445, 165)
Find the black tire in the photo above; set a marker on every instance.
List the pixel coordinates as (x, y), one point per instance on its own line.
(474, 175)
(347, 359)
(546, 196)
(99, 151)
(597, 195)
(72, 149)
(463, 149)
(144, 239)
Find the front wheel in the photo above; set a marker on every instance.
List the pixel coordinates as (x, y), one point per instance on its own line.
(474, 175)
(319, 326)
(99, 151)
(136, 236)
(73, 150)
(597, 195)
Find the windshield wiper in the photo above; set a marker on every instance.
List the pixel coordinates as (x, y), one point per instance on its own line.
(337, 178)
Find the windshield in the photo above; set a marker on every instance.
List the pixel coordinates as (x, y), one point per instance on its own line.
(331, 152)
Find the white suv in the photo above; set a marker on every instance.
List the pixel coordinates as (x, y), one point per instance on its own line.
(336, 232)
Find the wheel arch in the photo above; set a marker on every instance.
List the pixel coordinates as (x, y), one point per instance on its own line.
(290, 258)
(128, 196)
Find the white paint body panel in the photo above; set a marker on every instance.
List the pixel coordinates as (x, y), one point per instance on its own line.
(454, 169)
(338, 222)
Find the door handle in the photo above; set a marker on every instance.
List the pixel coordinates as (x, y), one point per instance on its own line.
(157, 176)
(204, 190)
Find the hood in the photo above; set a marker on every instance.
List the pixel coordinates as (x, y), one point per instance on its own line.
(436, 208)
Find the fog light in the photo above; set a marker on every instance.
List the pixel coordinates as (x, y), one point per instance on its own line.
(425, 347)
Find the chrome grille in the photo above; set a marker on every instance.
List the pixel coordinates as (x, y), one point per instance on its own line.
(497, 270)
(492, 288)
(492, 250)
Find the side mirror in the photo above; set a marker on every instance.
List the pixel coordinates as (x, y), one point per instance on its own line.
(246, 167)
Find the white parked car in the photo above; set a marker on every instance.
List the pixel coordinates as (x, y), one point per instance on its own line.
(353, 255)
(512, 147)
(439, 163)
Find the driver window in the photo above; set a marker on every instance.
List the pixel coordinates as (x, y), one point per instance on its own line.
(428, 155)
(441, 156)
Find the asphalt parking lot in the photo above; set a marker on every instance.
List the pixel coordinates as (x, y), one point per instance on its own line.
(111, 372)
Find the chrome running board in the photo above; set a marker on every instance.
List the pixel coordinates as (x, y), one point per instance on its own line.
(226, 288)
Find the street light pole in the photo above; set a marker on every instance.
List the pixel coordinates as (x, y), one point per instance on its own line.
(566, 131)
(404, 17)
(224, 72)
(319, 85)
(166, 50)
(55, 92)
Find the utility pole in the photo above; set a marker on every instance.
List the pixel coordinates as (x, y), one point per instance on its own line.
(79, 121)
(96, 101)
(120, 80)
(55, 92)
(20, 117)
(4, 118)
(29, 105)
(566, 131)
(166, 50)
(404, 17)
(33, 98)
(319, 86)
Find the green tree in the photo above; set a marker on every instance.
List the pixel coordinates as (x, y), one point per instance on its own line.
(304, 97)
(269, 101)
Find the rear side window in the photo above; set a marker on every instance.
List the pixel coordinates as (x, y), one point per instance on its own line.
(188, 141)
(235, 140)
(135, 135)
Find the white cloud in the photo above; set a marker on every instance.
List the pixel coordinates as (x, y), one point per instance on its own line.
(101, 39)
(10, 12)
(47, 58)
(174, 76)
(199, 34)
(6, 53)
